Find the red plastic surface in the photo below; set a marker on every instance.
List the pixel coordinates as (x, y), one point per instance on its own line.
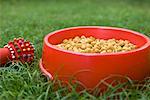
(89, 68)
(4, 55)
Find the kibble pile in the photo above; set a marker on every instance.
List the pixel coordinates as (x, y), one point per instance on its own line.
(92, 45)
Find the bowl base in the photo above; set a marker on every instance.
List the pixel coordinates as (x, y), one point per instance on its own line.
(44, 71)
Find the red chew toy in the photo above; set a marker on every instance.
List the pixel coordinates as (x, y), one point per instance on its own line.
(17, 50)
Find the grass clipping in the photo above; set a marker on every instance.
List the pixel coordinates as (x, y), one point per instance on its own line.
(92, 45)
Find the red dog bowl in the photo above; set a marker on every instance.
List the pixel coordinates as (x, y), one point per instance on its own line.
(90, 68)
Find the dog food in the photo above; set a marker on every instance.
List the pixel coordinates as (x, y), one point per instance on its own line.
(92, 45)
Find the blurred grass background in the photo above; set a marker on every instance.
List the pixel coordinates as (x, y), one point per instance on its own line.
(33, 19)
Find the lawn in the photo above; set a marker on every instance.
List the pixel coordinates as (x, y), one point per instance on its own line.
(34, 19)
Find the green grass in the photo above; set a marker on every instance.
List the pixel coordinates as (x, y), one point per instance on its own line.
(34, 19)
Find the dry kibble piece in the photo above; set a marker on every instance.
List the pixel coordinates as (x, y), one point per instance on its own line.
(80, 50)
(103, 48)
(69, 40)
(126, 41)
(103, 51)
(93, 43)
(119, 48)
(133, 47)
(97, 40)
(90, 40)
(70, 48)
(72, 43)
(90, 44)
(75, 49)
(96, 47)
(67, 46)
(76, 39)
(121, 44)
(83, 37)
(96, 50)
(78, 45)
(60, 45)
(83, 46)
(102, 41)
(87, 50)
(111, 40)
(109, 50)
(82, 41)
(65, 41)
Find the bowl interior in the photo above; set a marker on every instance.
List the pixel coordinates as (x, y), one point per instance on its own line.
(97, 32)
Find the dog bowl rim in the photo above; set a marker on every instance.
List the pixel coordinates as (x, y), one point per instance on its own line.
(146, 45)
